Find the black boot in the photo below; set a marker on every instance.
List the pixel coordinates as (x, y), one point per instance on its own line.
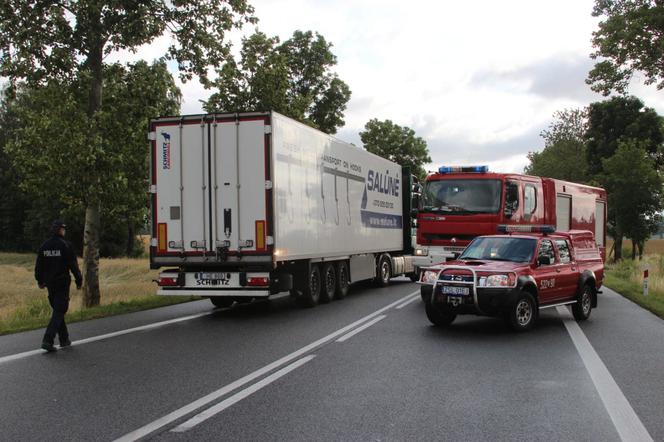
(48, 346)
(65, 343)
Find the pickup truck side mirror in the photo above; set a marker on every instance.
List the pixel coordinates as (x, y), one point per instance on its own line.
(544, 260)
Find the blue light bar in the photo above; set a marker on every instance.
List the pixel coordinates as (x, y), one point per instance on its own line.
(453, 169)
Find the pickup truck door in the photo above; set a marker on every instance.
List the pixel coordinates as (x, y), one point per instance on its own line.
(547, 275)
(568, 276)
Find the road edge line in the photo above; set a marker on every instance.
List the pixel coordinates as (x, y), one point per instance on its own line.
(624, 418)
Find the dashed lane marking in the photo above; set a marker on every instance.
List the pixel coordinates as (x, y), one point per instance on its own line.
(205, 400)
(237, 397)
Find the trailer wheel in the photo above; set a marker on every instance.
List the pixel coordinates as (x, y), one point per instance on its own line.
(311, 293)
(329, 279)
(384, 271)
(218, 301)
(343, 280)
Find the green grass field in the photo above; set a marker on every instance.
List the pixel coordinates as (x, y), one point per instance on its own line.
(126, 285)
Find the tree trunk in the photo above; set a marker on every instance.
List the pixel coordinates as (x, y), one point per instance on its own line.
(634, 243)
(91, 235)
(641, 244)
(617, 244)
(131, 237)
(91, 294)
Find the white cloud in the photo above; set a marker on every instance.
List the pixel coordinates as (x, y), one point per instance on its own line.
(478, 80)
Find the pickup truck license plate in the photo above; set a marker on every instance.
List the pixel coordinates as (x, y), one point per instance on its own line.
(456, 291)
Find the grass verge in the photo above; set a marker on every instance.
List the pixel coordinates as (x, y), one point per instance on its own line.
(126, 286)
(626, 278)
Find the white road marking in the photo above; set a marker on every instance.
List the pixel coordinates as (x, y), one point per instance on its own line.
(415, 298)
(347, 336)
(193, 406)
(108, 335)
(237, 397)
(625, 419)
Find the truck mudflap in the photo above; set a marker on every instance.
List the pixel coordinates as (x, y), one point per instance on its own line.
(214, 283)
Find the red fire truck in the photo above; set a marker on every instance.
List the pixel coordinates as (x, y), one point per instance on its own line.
(460, 203)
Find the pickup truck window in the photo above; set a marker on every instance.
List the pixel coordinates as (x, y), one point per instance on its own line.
(500, 248)
(563, 251)
(546, 250)
(462, 196)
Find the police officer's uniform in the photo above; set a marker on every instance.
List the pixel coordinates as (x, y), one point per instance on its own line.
(54, 262)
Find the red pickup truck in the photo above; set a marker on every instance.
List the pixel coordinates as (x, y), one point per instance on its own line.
(514, 276)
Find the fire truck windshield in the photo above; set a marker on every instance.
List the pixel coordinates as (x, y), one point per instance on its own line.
(462, 196)
(500, 248)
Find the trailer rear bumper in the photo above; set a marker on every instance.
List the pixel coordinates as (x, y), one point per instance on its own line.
(246, 293)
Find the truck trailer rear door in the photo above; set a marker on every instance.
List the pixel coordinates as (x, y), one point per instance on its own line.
(210, 188)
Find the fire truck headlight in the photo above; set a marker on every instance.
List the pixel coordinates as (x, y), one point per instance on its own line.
(495, 281)
(429, 276)
(421, 251)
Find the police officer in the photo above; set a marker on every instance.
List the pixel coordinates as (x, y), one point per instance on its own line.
(54, 262)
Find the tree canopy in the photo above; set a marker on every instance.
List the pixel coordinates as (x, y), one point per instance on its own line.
(617, 119)
(634, 188)
(564, 153)
(50, 152)
(396, 143)
(51, 43)
(294, 77)
(630, 38)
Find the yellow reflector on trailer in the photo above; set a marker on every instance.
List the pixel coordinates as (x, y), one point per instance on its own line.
(260, 235)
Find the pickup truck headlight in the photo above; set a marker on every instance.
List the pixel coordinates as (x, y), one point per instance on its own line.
(421, 251)
(429, 276)
(495, 281)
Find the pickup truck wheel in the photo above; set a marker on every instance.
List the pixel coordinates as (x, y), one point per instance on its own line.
(343, 280)
(221, 302)
(523, 313)
(584, 304)
(311, 292)
(438, 316)
(425, 292)
(384, 271)
(329, 282)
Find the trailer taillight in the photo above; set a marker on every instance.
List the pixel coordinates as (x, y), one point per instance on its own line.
(260, 281)
(168, 281)
(260, 235)
(162, 237)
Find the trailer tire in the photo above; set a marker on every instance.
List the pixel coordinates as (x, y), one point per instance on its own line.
(383, 271)
(311, 291)
(343, 280)
(220, 302)
(329, 282)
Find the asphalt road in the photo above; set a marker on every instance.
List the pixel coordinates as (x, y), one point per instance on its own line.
(368, 368)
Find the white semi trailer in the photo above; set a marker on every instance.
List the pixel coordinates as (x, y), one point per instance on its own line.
(252, 204)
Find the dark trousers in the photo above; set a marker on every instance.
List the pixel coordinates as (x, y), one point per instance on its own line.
(58, 297)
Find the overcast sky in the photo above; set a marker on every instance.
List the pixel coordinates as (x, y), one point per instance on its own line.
(478, 80)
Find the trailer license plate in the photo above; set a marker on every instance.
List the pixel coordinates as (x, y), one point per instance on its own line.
(456, 291)
(221, 276)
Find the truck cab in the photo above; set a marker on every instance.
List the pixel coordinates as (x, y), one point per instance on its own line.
(515, 275)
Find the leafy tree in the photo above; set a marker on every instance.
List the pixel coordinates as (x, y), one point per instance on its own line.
(294, 77)
(629, 39)
(564, 154)
(635, 194)
(617, 119)
(396, 143)
(50, 149)
(46, 43)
